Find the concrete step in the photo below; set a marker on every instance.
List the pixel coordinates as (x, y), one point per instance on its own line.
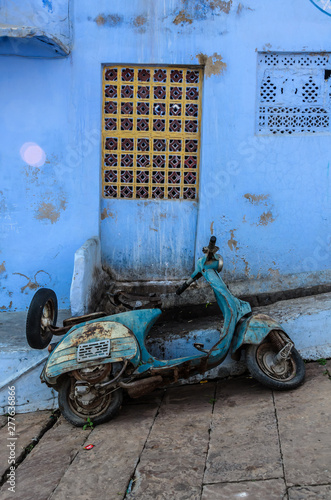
(307, 320)
(21, 366)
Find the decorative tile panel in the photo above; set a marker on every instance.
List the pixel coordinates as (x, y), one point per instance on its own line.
(151, 131)
(294, 93)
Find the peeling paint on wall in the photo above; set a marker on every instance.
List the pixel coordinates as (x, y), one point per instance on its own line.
(274, 272)
(233, 244)
(107, 213)
(182, 18)
(242, 7)
(214, 64)
(212, 228)
(139, 21)
(256, 199)
(223, 6)
(48, 211)
(32, 282)
(201, 10)
(5, 308)
(267, 47)
(32, 174)
(2, 268)
(247, 268)
(265, 219)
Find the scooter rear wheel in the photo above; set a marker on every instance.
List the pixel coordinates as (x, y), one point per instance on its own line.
(42, 312)
(100, 410)
(286, 375)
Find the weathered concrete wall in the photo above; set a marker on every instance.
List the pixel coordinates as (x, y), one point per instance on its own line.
(266, 198)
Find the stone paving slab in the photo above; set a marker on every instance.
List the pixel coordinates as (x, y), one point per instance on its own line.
(173, 461)
(304, 418)
(321, 492)
(105, 470)
(244, 441)
(271, 489)
(28, 427)
(44, 467)
(155, 398)
(181, 444)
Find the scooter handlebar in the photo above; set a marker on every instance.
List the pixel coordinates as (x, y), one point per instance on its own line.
(182, 288)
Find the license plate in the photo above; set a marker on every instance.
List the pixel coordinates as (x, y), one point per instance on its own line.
(93, 350)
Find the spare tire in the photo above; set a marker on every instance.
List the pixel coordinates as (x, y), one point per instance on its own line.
(42, 312)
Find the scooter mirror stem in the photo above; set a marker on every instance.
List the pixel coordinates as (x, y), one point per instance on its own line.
(211, 249)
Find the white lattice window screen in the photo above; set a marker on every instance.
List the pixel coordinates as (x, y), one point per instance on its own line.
(294, 93)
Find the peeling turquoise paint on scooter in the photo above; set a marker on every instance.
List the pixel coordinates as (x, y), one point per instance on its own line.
(85, 384)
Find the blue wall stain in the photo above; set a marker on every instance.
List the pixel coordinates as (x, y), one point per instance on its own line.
(48, 4)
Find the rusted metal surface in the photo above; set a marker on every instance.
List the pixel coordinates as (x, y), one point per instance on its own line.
(264, 317)
(97, 331)
(133, 301)
(278, 339)
(171, 374)
(253, 330)
(64, 358)
(59, 330)
(117, 377)
(93, 374)
(81, 319)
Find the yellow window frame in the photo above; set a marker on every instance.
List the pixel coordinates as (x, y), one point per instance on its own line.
(169, 111)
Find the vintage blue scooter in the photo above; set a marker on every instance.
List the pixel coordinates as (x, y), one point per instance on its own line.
(100, 357)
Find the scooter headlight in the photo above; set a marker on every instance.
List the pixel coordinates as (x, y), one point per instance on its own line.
(220, 263)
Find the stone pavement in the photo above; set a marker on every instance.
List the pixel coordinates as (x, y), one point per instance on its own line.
(228, 439)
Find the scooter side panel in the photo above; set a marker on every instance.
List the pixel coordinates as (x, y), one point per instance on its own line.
(123, 345)
(139, 322)
(253, 330)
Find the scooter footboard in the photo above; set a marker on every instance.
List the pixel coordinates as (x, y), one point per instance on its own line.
(252, 331)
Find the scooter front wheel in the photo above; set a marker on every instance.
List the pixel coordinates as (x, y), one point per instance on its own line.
(99, 409)
(280, 375)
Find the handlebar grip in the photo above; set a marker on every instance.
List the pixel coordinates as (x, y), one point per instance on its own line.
(212, 242)
(182, 288)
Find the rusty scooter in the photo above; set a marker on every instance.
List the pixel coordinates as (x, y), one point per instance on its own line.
(102, 356)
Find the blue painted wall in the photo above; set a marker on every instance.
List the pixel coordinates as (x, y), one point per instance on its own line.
(267, 199)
